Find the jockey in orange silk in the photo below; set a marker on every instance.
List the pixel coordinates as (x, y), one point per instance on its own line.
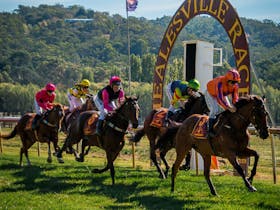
(217, 94)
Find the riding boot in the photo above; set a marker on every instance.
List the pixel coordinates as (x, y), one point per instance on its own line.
(168, 115)
(211, 132)
(35, 122)
(99, 126)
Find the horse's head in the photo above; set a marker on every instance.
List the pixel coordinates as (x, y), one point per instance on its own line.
(56, 114)
(257, 114)
(89, 104)
(259, 117)
(194, 105)
(130, 109)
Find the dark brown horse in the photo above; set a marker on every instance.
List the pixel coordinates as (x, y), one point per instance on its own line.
(72, 116)
(114, 130)
(194, 105)
(230, 142)
(47, 131)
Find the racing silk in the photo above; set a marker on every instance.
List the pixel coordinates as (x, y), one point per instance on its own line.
(179, 91)
(44, 100)
(107, 95)
(77, 91)
(219, 89)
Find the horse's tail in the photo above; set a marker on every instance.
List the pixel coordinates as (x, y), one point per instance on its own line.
(11, 135)
(168, 138)
(139, 134)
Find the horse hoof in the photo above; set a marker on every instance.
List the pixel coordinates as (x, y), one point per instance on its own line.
(80, 159)
(60, 160)
(95, 171)
(184, 168)
(252, 189)
(162, 176)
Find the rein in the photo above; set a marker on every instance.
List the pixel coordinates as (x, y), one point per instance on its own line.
(49, 124)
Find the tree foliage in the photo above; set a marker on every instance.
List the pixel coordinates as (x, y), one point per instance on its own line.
(45, 43)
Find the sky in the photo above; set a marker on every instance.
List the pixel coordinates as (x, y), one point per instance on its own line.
(152, 9)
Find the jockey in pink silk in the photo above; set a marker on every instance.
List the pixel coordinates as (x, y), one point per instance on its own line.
(107, 100)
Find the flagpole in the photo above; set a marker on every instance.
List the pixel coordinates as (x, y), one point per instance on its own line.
(128, 51)
(129, 78)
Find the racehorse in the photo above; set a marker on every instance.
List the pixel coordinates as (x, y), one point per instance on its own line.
(231, 140)
(47, 131)
(71, 116)
(194, 105)
(114, 130)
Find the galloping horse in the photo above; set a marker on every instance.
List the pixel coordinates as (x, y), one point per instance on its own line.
(46, 132)
(112, 139)
(71, 116)
(194, 105)
(230, 142)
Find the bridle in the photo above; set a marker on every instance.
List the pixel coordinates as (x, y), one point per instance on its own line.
(123, 117)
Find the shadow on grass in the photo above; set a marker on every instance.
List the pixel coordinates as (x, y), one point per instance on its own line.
(69, 179)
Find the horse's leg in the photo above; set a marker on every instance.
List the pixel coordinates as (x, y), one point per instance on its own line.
(154, 157)
(207, 164)
(49, 159)
(80, 157)
(61, 150)
(247, 153)
(111, 156)
(87, 151)
(56, 147)
(181, 152)
(162, 156)
(239, 169)
(26, 144)
(186, 166)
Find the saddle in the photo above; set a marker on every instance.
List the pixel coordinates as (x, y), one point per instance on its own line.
(159, 118)
(90, 125)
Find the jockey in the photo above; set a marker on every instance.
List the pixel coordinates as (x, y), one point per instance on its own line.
(106, 99)
(216, 96)
(178, 92)
(76, 95)
(43, 102)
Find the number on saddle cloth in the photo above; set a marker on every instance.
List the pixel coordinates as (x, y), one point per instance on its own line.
(159, 118)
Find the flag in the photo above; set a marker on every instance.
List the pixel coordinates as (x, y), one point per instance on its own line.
(131, 5)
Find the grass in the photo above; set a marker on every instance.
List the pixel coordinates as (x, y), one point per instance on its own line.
(73, 186)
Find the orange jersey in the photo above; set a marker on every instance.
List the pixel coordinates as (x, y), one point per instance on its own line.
(219, 88)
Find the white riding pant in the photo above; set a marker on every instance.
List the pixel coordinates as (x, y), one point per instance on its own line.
(100, 106)
(213, 105)
(74, 102)
(38, 109)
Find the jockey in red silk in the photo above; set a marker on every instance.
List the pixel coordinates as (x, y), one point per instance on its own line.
(217, 93)
(107, 100)
(43, 101)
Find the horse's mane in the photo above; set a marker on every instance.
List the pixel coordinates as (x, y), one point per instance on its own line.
(245, 100)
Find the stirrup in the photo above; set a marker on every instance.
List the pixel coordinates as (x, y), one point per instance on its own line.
(211, 135)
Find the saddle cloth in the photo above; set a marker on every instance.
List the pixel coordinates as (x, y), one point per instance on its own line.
(90, 125)
(159, 118)
(200, 128)
(28, 125)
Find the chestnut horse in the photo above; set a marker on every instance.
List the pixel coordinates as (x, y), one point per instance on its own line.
(71, 116)
(114, 130)
(47, 131)
(231, 140)
(194, 105)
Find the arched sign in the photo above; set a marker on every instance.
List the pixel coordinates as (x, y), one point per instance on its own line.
(221, 10)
